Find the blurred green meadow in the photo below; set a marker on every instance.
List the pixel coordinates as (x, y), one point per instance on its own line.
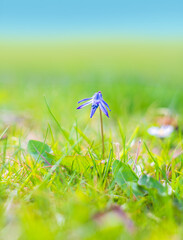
(78, 195)
(133, 76)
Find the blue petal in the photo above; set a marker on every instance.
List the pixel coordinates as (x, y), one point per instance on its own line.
(103, 108)
(106, 104)
(84, 104)
(85, 99)
(93, 110)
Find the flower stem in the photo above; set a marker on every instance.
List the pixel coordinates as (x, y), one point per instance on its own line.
(102, 133)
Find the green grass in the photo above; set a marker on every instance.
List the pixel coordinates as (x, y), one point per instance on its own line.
(78, 196)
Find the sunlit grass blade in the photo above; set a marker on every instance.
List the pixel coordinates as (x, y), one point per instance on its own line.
(107, 167)
(81, 133)
(158, 169)
(126, 145)
(63, 131)
(4, 133)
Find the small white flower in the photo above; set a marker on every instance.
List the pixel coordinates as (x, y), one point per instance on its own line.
(161, 132)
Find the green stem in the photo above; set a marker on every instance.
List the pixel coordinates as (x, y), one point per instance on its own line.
(102, 133)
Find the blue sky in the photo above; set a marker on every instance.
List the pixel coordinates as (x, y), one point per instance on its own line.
(97, 17)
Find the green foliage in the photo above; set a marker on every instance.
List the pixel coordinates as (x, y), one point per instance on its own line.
(60, 187)
(78, 163)
(40, 152)
(126, 178)
(150, 183)
(123, 173)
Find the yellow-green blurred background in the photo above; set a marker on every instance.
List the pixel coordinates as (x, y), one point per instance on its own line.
(132, 51)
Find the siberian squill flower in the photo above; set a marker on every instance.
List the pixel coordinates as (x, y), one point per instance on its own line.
(96, 101)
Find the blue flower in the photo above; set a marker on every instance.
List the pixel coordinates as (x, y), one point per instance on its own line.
(96, 101)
